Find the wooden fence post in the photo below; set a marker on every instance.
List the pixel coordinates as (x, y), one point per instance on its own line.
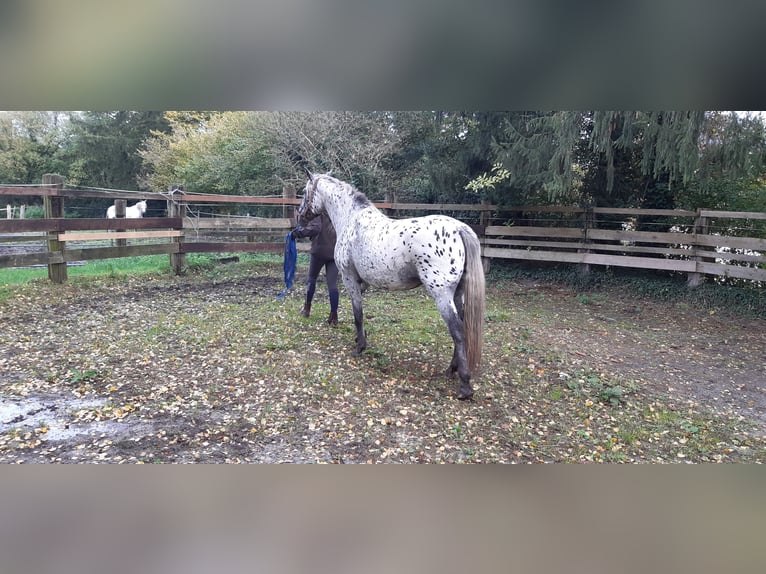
(700, 228)
(176, 209)
(54, 209)
(390, 198)
(484, 221)
(9, 209)
(588, 221)
(120, 205)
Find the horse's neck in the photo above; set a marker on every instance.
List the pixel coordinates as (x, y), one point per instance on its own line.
(342, 211)
(339, 217)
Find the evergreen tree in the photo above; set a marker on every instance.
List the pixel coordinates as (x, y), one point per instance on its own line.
(629, 158)
(103, 147)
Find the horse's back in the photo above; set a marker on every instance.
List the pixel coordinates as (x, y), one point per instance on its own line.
(131, 212)
(134, 212)
(402, 254)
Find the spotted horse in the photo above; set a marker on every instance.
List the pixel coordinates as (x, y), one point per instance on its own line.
(436, 251)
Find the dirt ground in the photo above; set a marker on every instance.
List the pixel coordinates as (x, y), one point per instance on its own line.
(211, 367)
(706, 357)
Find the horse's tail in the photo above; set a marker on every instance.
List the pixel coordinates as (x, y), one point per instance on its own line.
(473, 306)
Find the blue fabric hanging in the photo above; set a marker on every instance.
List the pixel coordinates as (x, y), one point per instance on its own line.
(291, 256)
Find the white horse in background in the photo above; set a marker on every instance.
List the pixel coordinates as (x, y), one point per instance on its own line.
(132, 212)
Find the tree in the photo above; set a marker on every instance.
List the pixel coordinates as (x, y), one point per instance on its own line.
(731, 164)
(103, 147)
(30, 145)
(223, 152)
(441, 152)
(635, 158)
(539, 150)
(460, 148)
(359, 147)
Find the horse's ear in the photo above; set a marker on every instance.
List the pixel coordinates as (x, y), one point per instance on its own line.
(311, 175)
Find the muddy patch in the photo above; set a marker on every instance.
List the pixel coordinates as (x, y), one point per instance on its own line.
(54, 415)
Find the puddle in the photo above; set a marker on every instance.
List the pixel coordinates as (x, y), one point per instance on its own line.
(55, 413)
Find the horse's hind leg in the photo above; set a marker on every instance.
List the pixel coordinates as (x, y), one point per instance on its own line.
(355, 293)
(361, 337)
(457, 299)
(459, 364)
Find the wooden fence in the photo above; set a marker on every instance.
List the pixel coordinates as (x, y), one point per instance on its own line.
(698, 243)
(701, 242)
(69, 240)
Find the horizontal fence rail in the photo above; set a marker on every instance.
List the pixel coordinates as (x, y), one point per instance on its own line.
(699, 243)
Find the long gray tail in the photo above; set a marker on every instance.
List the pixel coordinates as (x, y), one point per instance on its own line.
(473, 306)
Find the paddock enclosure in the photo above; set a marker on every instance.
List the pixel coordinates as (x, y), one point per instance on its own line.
(697, 243)
(209, 366)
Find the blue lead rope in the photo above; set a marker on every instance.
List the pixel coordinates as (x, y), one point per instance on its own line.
(291, 256)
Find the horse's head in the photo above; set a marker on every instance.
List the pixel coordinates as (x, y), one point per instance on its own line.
(141, 206)
(311, 205)
(306, 211)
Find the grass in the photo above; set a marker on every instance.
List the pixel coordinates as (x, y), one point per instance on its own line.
(130, 266)
(96, 268)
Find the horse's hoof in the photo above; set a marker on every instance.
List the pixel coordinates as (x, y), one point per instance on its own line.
(465, 395)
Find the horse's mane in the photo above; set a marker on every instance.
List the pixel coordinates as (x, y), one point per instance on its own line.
(358, 198)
